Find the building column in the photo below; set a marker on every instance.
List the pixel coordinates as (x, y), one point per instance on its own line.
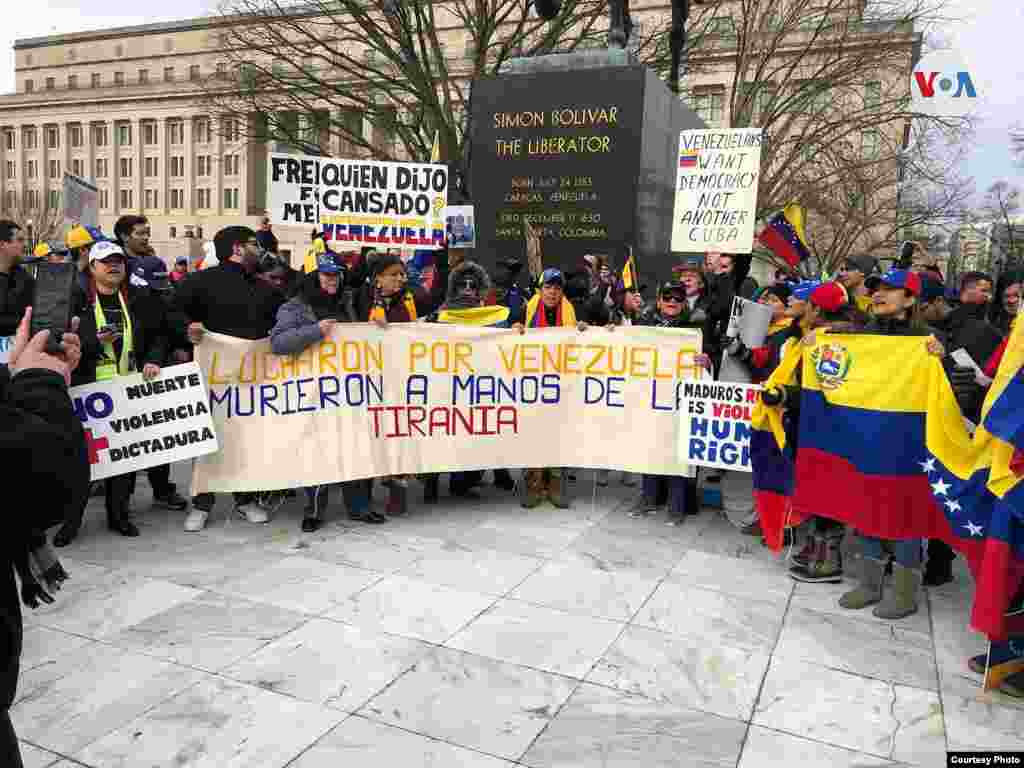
(190, 166)
(163, 189)
(114, 170)
(218, 176)
(138, 201)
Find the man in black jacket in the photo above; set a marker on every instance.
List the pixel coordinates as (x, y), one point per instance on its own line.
(17, 287)
(229, 299)
(43, 449)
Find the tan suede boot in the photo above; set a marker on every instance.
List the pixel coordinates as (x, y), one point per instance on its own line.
(534, 488)
(869, 591)
(902, 600)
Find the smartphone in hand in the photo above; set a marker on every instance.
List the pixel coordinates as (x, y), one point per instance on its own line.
(51, 310)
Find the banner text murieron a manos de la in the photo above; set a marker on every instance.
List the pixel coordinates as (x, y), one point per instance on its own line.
(419, 398)
(360, 202)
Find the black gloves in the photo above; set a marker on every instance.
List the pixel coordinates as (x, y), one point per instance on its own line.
(773, 396)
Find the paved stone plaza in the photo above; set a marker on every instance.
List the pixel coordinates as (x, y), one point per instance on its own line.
(480, 635)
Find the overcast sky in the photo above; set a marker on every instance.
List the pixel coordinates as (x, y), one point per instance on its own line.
(986, 32)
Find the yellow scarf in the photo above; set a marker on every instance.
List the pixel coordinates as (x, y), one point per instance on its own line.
(568, 313)
(110, 366)
(781, 325)
(379, 313)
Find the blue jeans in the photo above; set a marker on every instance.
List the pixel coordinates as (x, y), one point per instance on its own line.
(906, 552)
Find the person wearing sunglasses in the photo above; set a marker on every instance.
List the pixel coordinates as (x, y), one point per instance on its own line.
(672, 310)
(230, 299)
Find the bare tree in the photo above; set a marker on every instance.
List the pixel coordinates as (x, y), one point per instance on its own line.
(1001, 206)
(44, 213)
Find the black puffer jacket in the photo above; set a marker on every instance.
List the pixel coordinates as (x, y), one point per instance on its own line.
(42, 451)
(17, 292)
(227, 299)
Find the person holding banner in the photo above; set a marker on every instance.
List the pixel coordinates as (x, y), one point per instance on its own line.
(230, 299)
(123, 331)
(547, 309)
(309, 317)
(681, 491)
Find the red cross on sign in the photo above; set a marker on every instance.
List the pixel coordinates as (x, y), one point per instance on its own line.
(95, 446)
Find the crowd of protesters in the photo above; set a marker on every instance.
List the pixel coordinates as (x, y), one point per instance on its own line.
(134, 315)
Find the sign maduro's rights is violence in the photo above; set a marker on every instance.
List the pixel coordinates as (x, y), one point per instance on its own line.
(360, 202)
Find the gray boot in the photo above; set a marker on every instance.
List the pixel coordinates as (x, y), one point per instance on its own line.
(870, 590)
(902, 600)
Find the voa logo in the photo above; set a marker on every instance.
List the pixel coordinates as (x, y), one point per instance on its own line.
(941, 85)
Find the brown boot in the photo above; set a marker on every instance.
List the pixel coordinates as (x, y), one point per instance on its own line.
(556, 489)
(534, 488)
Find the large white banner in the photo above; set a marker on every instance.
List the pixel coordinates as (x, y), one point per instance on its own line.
(716, 190)
(81, 202)
(360, 202)
(131, 424)
(422, 397)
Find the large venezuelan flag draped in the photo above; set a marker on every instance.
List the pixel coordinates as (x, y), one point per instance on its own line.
(981, 491)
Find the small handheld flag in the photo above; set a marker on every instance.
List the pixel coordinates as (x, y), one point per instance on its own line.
(629, 273)
(784, 236)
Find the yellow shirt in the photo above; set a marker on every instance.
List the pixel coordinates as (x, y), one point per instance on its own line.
(314, 251)
(863, 303)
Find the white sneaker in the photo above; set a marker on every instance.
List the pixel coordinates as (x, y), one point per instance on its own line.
(253, 513)
(196, 520)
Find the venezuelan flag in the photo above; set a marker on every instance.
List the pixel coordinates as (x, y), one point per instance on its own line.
(784, 236)
(630, 279)
(493, 316)
(862, 434)
(980, 489)
(688, 158)
(771, 458)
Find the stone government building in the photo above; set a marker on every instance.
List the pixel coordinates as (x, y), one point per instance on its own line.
(123, 108)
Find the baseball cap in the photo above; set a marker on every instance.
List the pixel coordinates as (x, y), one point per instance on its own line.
(328, 264)
(830, 296)
(802, 291)
(902, 278)
(552, 276)
(103, 250)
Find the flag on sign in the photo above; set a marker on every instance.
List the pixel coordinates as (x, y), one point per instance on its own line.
(688, 158)
(784, 236)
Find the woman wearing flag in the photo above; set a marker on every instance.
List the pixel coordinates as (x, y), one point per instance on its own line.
(123, 331)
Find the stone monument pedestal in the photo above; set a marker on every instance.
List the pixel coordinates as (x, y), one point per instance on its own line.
(585, 146)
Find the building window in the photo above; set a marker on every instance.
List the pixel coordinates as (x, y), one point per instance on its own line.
(232, 129)
(203, 165)
(31, 141)
(203, 199)
(126, 167)
(872, 95)
(126, 199)
(124, 135)
(193, 72)
(143, 76)
(29, 86)
(101, 168)
(99, 135)
(31, 198)
(53, 199)
(177, 166)
(119, 50)
(12, 169)
(150, 169)
(94, 80)
(49, 83)
(177, 129)
(54, 169)
(75, 135)
(231, 165)
(168, 74)
(72, 82)
(52, 137)
(177, 200)
(172, 231)
(709, 106)
(222, 70)
(10, 140)
(202, 131)
(870, 144)
(31, 169)
(149, 133)
(12, 199)
(152, 199)
(72, 55)
(77, 167)
(231, 199)
(105, 198)
(119, 78)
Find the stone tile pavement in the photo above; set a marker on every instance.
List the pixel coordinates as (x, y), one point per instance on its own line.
(481, 635)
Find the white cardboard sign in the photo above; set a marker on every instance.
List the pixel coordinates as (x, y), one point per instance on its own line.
(714, 424)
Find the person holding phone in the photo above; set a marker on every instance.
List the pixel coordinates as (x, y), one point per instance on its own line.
(17, 287)
(42, 448)
(123, 331)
